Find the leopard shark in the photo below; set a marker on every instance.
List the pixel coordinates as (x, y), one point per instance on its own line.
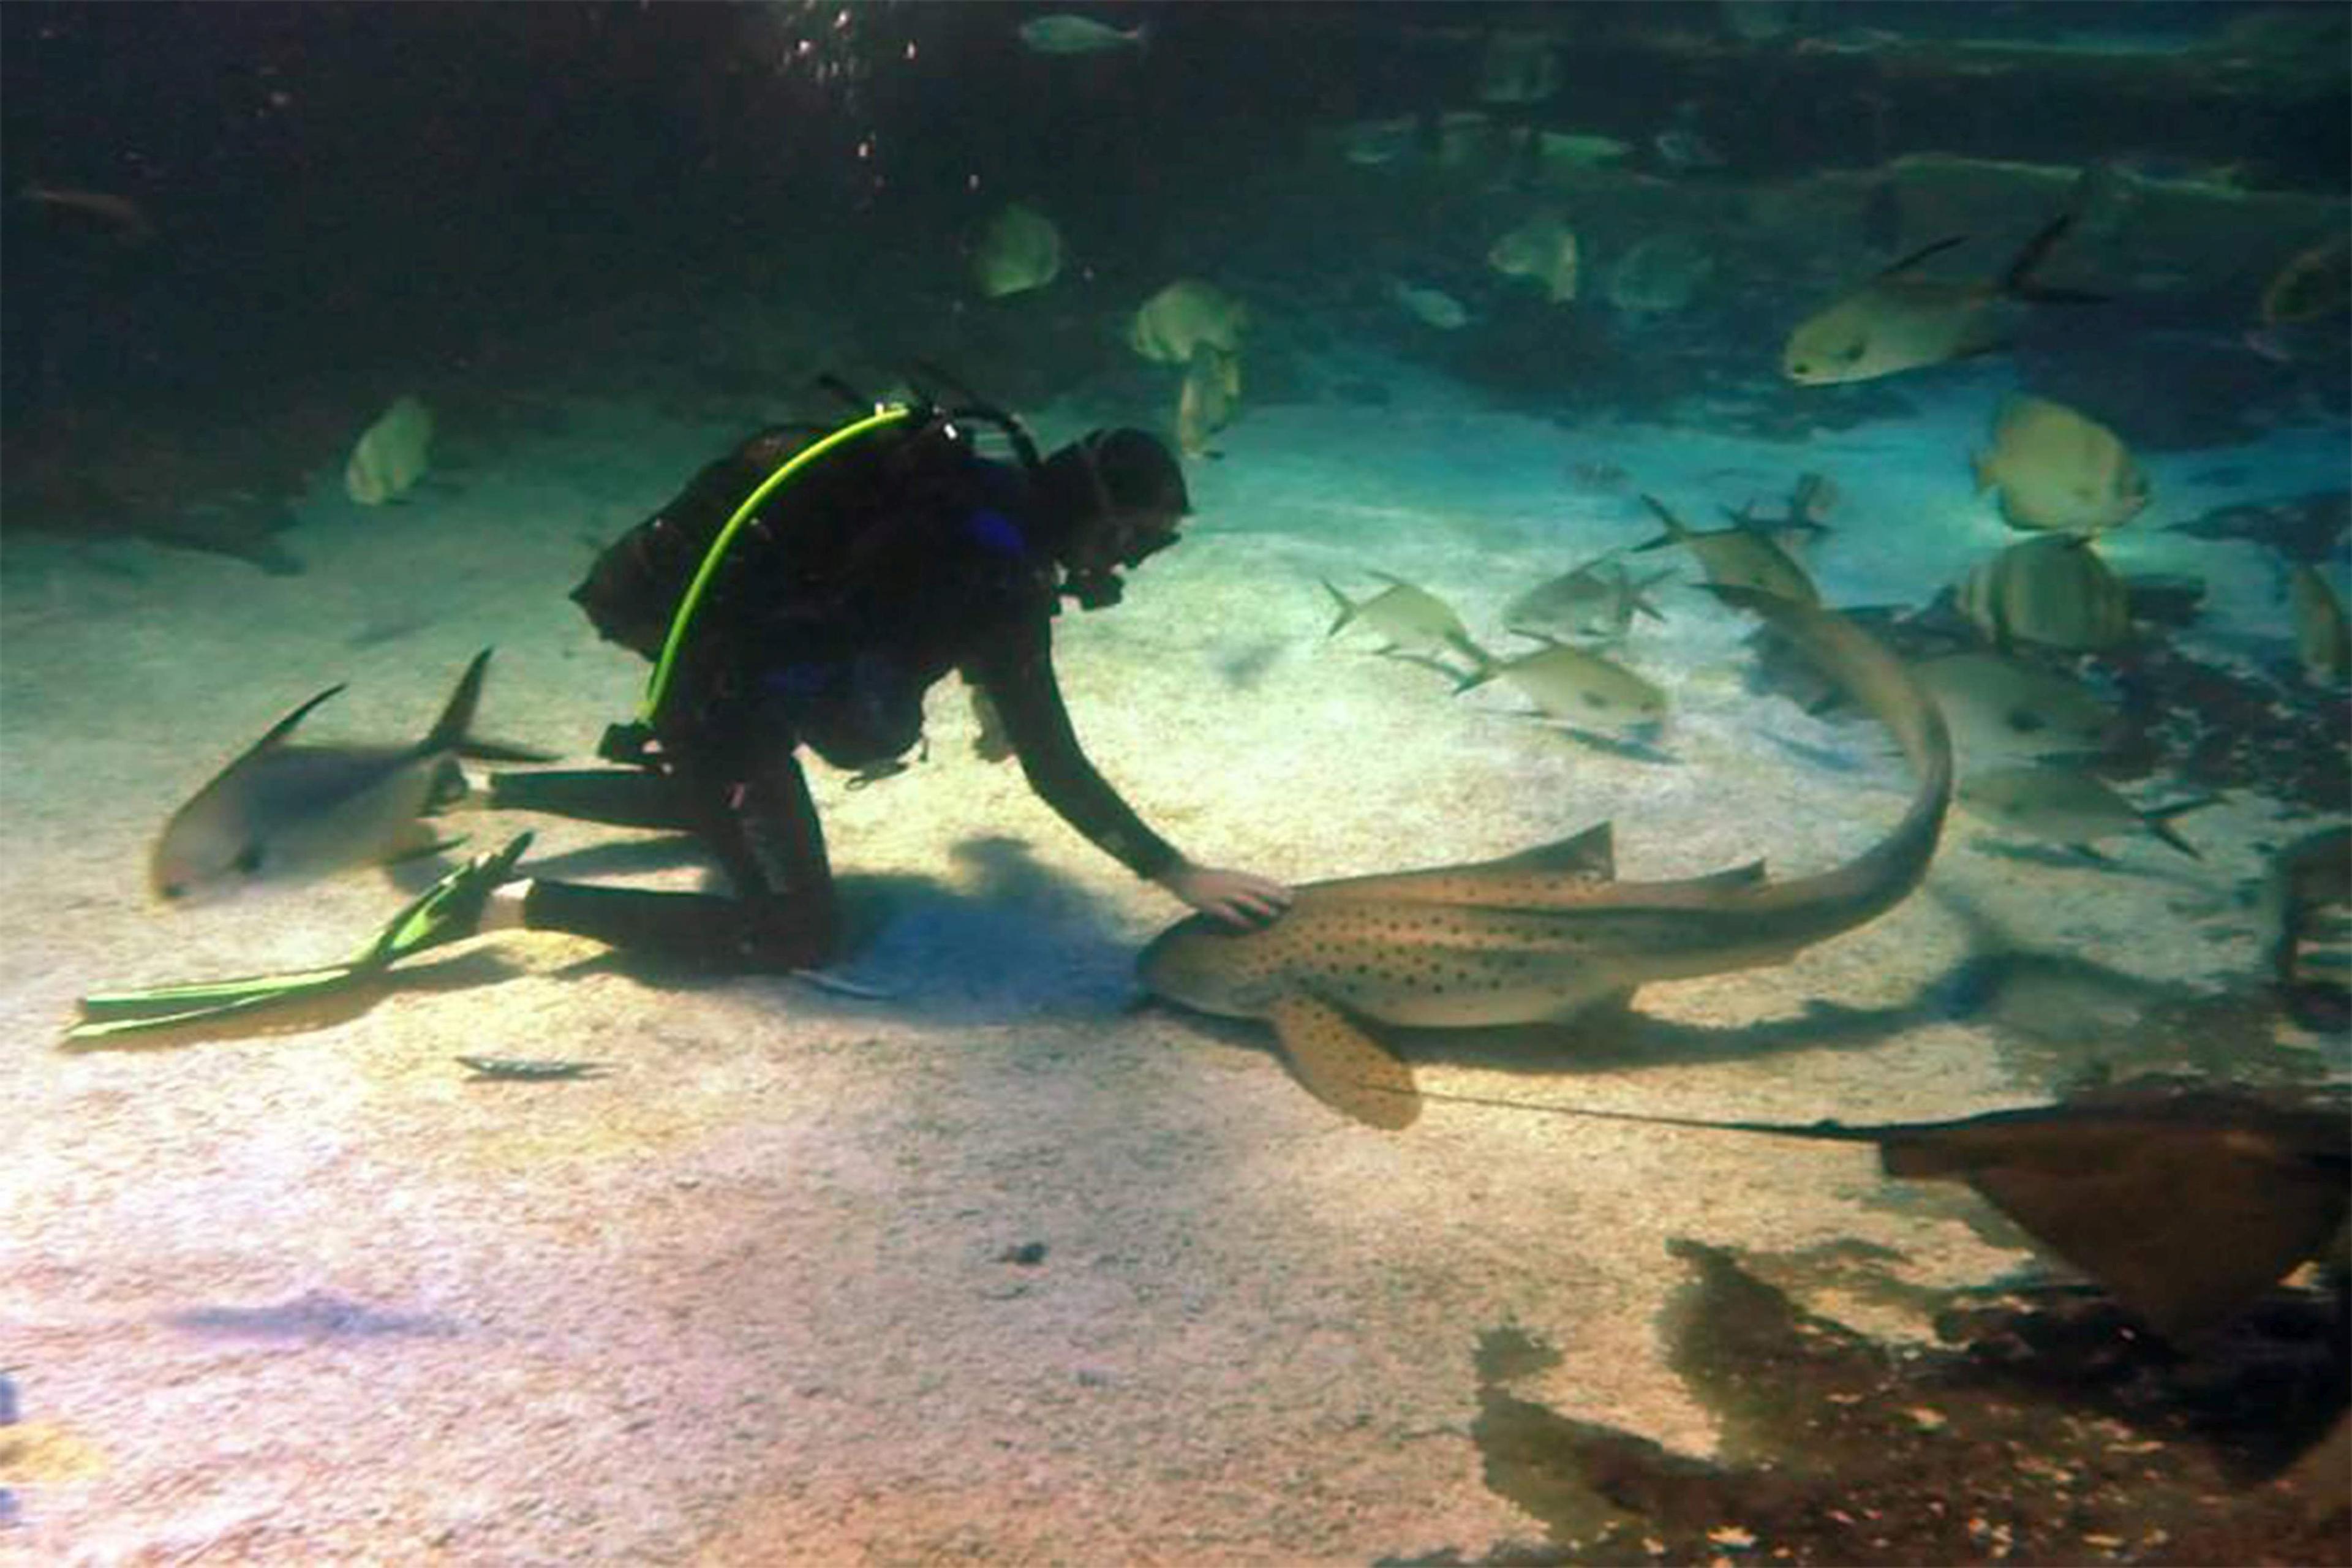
(1547, 934)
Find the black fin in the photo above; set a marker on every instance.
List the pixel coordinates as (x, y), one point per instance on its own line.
(2018, 281)
(1920, 255)
(2159, 822)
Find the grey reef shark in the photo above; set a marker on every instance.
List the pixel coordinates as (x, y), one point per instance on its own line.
(1547, 934)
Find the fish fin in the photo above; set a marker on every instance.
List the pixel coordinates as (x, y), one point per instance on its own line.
(422, 848)
(1676, 529)
(1592, 852)
(1348, 607)
(2186, 1229)
(1637, 594)
(2018, 281)
(2159, 822)
(1484, 665)
(1340, 1065)
(1749, 875)
(448, 732)
(1463, 644)
(275, 734)
(503, 752)
(1906, 263)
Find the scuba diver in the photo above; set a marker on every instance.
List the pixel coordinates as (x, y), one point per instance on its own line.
(895, 556)
(805, 590)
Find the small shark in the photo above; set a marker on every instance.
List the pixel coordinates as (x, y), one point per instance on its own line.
(281, 812)
(1547, 934)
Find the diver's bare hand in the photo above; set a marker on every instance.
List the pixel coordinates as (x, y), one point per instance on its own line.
(1237, 897)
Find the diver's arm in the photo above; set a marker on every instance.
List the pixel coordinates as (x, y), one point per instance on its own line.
(1016, 669)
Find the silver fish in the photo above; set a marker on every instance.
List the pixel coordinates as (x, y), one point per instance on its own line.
(1575, 687)
(285, 813)
(1736, 557)
(1999, 708)
(1416, 622)
(1598, 599)
(1067, 33)
(2065, 805)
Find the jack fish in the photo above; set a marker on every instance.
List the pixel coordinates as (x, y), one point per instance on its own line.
(1736, 557)
(2064, 805)
(1897, 322)
(1416, 623)
(284, 813)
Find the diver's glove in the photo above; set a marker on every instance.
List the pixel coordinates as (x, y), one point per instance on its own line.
(447, 912)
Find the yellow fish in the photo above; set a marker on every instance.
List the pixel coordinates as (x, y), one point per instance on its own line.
(1020, 249)
(391, 455)
(2320, 636)
(1205, 404)
(2057, 469)
(1186, 313)
(1897, 322)
(1542, 249)
(2054, 590)
(2315, 284)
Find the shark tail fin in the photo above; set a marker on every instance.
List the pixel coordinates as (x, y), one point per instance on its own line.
(1348, 608)
(2159, 822)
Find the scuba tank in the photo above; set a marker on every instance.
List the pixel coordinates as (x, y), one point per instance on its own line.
(793, 514)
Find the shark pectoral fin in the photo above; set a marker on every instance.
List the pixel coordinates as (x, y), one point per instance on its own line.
(1343, 1067)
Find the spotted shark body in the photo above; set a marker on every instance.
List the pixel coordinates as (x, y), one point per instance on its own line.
(1548, 934)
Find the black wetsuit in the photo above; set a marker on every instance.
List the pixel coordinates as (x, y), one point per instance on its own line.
(854, 591)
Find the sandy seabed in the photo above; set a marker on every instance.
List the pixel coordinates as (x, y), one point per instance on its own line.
(311, 1294)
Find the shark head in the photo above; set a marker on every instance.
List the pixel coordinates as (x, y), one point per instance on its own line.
(1208, 966)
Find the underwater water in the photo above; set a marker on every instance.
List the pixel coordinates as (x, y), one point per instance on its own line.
(340, 341)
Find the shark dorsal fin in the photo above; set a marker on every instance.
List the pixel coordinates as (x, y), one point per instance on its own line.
(1751, 875)
(1592, 852)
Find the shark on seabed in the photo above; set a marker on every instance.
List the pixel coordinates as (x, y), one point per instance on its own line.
(1547, 934)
